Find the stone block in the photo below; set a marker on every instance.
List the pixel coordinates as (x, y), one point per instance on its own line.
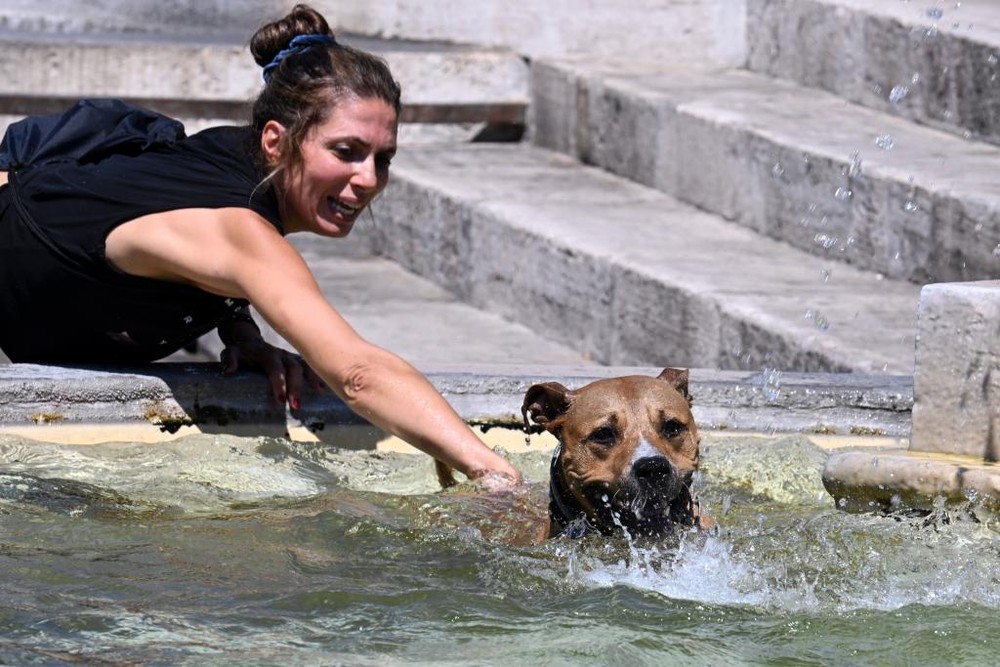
(957, 375)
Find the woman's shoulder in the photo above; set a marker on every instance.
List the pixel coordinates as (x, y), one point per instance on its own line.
(222, 140)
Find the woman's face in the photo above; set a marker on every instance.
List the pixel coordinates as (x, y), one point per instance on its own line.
(345, 164)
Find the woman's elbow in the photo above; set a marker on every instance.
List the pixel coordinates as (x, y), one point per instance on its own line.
(367, 377)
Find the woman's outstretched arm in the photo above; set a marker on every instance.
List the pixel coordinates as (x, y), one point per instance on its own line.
(233, 252)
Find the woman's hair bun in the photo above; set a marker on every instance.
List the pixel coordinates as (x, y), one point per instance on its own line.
(276, 35)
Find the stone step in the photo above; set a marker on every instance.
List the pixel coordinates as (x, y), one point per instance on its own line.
(214, 76)
(653, 29)
(840, 181)
(933, 62)
(235, 17)
(625, 274)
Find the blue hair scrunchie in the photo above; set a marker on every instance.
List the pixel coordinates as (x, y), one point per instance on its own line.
(298, 44)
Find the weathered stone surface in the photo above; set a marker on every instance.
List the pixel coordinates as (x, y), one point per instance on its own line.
(957, 372)
(900, 479)
(171, 395)
(649, 30)
(788, 162)
(930, 62)
(192, 72)
(626, 274)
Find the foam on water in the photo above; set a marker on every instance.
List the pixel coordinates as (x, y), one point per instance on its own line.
(705, 572)
(872, 563)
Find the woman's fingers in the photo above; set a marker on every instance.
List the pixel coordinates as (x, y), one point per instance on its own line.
(293, 367)
(498, 482)
(286, 372)
(269, 360)
(230, 360)
(313, 378)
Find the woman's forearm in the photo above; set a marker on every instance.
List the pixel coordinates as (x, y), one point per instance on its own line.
(396, 397)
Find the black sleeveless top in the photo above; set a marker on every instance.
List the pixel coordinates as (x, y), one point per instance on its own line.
(61, 301)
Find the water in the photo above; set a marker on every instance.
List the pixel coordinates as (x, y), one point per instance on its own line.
(226, 551)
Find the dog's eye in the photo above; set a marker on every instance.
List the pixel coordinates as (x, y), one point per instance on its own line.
(605, 436)
(671, 428)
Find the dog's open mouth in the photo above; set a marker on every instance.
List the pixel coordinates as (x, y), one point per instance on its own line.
(641, 509)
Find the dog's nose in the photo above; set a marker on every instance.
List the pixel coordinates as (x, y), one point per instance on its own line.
(653, 468)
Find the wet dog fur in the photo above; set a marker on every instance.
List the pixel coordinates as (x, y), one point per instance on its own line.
(627, 450)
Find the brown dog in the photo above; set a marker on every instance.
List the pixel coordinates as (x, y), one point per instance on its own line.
(628, 448)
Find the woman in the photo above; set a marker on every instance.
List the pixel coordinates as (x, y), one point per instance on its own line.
(127, 250)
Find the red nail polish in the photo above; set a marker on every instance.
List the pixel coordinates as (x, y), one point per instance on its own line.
(294, 402)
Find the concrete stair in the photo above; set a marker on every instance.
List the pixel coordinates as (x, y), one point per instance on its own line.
(629, 275)
(840, 181)
(210, 78)
(782, 216)
(851, 207)
(935, 63)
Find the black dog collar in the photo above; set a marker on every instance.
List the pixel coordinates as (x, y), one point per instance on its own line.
(564, 510)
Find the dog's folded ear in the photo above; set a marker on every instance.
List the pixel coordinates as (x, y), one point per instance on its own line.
(678, 379)
(546, 402)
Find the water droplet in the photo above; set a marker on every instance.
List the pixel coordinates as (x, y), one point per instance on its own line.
(818, 319)
(935, 13)
(915, 79)
(932, 32)
(885, 142)
(777, 171)
(770, 381)
(854, 167)
(843, 194)
(993, 59)
(898, 93)
(910, 206)
(826, 241)
(825, 275)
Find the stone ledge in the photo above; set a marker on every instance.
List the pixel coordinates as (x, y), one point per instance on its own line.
(897, 478)
(174, 396)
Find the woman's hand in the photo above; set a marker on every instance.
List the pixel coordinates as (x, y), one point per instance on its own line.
(286, 372)
(499, 482)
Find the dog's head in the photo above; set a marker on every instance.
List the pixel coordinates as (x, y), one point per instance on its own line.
(628, 448)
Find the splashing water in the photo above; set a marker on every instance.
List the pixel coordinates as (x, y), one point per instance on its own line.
(696, 570)
(256, 551)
